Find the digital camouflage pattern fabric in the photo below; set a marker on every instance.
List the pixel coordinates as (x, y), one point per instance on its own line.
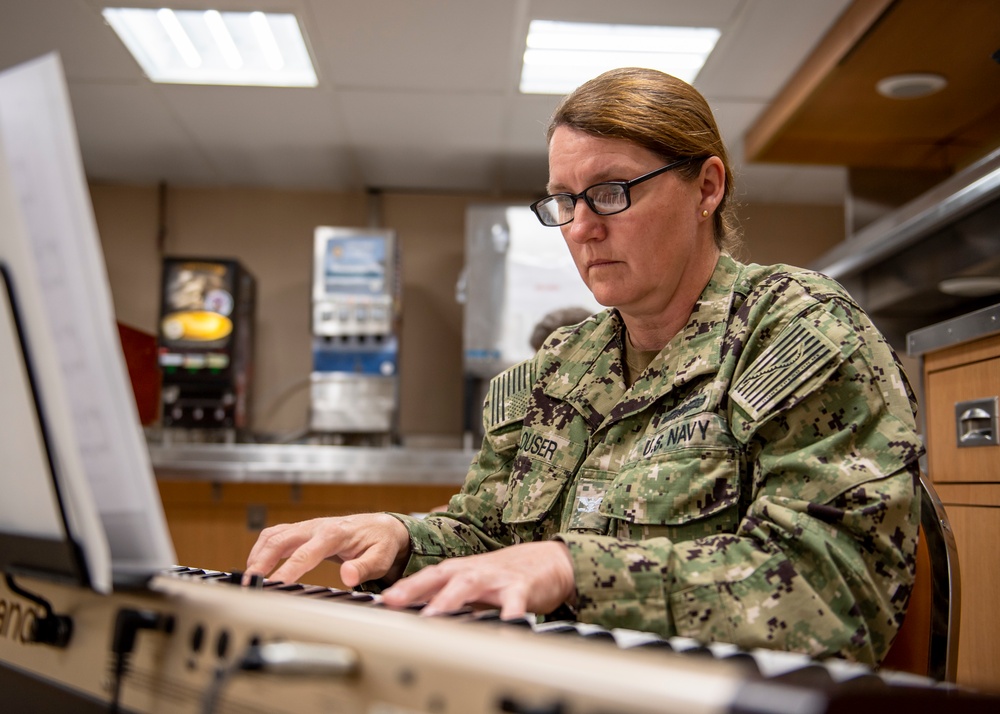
(756, 485)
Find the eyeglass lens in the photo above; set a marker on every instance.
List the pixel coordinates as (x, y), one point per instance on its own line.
(604, 199)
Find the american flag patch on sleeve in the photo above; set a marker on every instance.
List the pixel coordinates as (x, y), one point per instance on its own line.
(798, 355)
(509, 394)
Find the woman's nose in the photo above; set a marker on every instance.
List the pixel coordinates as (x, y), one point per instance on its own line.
(586, 224)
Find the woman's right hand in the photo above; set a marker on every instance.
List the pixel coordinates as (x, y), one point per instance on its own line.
(369, 546)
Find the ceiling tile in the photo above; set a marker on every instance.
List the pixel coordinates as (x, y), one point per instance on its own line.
(126, 134)
(428, 168)
(704, 13)
(89, 49)
(446, 121)
(454, 45)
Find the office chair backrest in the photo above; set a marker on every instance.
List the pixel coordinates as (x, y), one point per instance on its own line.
(927, 642)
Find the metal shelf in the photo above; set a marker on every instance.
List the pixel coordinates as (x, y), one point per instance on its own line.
(278, 463)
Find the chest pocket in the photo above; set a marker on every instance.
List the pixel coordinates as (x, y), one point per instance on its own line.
(543, 466)
(682, 482)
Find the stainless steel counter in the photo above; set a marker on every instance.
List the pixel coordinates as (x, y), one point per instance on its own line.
(981, 323)
(277, 463)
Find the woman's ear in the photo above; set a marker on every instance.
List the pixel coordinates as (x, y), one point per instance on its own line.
(712, 184)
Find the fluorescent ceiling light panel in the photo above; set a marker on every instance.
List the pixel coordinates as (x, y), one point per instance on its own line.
(211, 47)
(560, 56)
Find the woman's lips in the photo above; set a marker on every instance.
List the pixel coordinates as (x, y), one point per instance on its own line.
(599, 263)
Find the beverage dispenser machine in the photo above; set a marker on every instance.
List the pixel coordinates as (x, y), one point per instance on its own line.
(207, 313)
(355, 320)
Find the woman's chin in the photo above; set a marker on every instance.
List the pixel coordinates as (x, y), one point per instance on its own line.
(607, 295)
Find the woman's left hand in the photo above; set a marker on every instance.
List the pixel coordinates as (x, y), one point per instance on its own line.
(529, 577)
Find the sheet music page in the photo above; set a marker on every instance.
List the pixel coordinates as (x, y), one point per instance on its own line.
(37, 128)
(30, 506)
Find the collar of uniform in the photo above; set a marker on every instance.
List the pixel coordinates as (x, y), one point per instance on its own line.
(697, 348)
(582, 374)
(585, 369)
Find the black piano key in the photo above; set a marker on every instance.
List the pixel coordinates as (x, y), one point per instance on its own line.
(812, 675)
(191, 571)
(653, 644)
(180, 569)
(556, 628)
(598, 634)
(460, 612)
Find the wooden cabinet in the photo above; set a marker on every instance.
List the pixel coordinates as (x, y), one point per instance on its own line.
(968, 481)
(954, 375)
(214, 525)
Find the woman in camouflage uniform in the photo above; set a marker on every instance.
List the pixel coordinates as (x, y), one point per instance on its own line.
(728, 452)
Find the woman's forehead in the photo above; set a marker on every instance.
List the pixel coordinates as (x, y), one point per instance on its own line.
(574, 154)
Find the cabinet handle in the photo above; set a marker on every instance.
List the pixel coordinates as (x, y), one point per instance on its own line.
(976, 422)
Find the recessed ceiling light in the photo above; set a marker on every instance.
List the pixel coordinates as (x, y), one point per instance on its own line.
(910, 86)
(560, 56)
(212, 47)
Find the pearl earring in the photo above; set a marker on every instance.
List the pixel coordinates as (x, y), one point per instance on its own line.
(704, 213)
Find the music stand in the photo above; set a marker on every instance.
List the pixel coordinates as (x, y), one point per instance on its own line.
(78, 500)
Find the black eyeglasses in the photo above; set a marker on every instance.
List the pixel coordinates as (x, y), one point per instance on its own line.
(604, 199)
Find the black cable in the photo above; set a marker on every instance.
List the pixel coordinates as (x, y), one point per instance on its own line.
(220, 677)
(53, 629)
(128, 623)
(250, 660)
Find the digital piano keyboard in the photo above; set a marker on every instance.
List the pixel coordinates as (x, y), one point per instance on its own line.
(195, 641)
